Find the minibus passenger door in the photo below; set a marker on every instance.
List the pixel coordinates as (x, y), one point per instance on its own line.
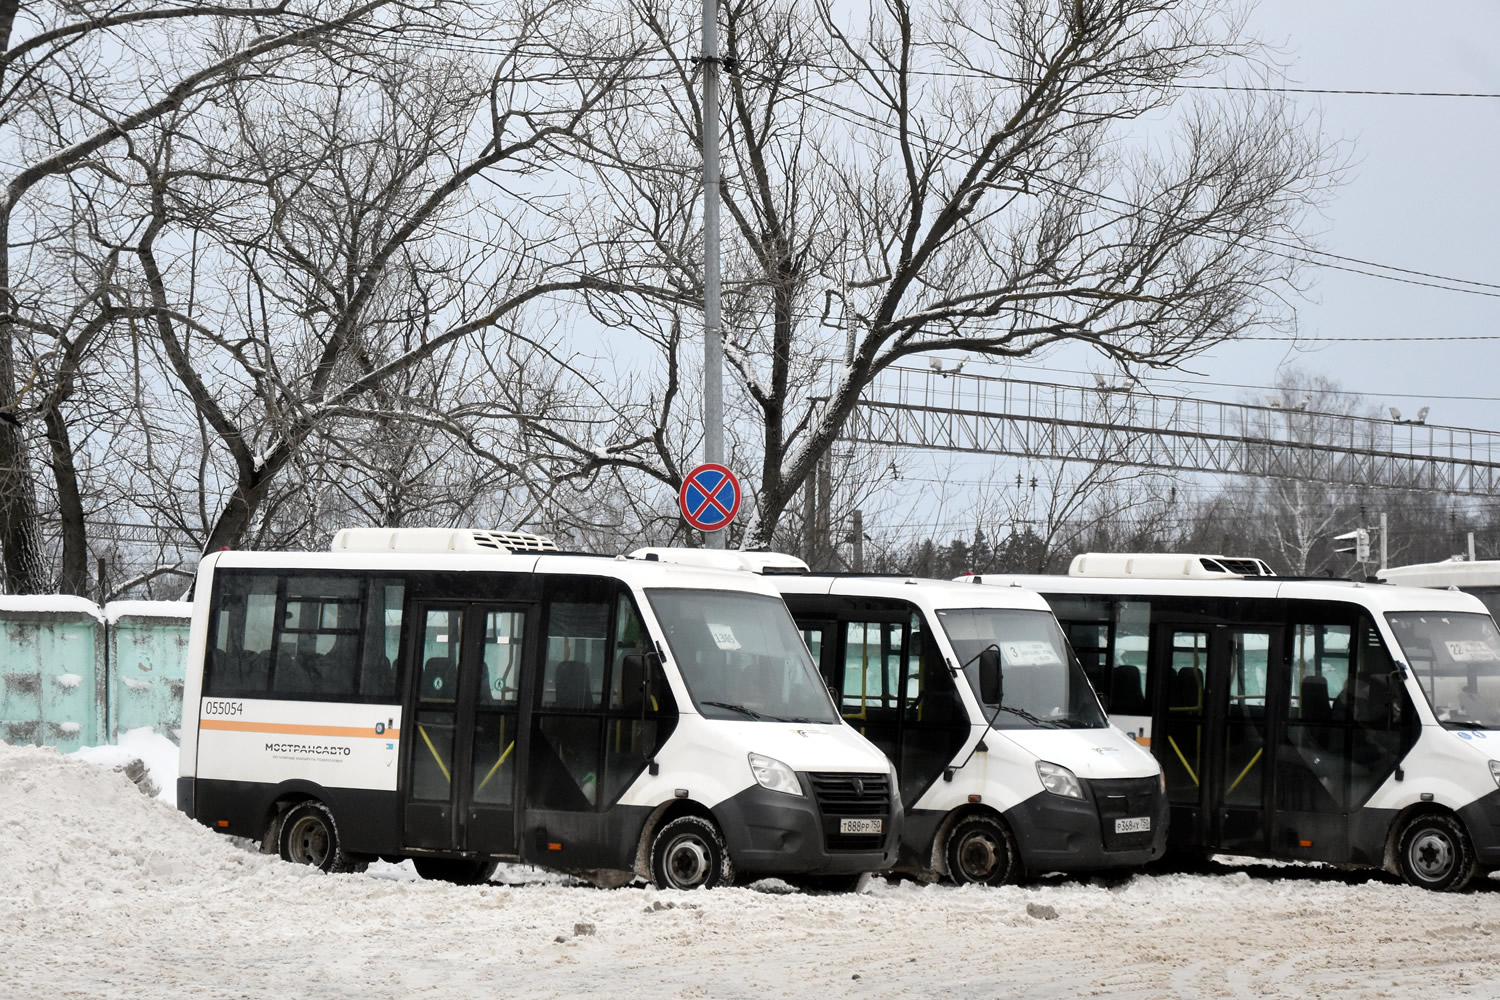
(460, 793)
(1240, 665)
(1181, 665)
(499, 651)
(429, 818)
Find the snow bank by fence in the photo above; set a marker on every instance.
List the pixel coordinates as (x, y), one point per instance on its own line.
(73, 674)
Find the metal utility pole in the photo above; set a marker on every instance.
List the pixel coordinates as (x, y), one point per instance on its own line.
(859, 541)
(1385, 534)
(713, 348)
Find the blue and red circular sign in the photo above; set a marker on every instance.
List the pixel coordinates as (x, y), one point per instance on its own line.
(710, 497)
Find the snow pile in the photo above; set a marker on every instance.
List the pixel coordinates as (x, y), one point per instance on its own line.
(105, 891)
(153, 750)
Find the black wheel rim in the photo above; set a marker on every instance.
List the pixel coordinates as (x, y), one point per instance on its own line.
(1431, 854)
(687, 862)
(308, 842)
(979, 856)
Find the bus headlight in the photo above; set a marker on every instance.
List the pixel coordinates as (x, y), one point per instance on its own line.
(1495, 771)
(1059, 780)
(775, 775)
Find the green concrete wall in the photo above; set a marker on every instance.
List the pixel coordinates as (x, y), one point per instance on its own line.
(70, 677)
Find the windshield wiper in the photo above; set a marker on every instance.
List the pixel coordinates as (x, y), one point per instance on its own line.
(752, 713)
(1028, 716)
(1466, 724)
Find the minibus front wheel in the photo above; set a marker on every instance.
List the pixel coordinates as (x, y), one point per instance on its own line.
(1433, 851)
(309, 836)
(980, 849)
(688, 853)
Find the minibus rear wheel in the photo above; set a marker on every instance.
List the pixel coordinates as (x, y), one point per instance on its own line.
(309, 836)
(1433, 852)
(688, 853)
(980, 849)
(459, 871)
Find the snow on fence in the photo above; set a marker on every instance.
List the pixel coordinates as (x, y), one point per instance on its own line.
(73, 674)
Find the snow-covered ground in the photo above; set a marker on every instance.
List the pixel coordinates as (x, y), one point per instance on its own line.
(106, 892)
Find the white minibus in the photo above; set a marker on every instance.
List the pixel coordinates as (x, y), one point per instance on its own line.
(1312, 720)
(462, 698)
(1479, 577)
(1007, 765)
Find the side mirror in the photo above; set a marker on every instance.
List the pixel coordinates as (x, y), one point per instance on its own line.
(990, 687)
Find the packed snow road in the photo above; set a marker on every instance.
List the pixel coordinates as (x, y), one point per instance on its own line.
(105, 892)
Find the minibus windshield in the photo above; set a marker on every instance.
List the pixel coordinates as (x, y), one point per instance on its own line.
(741, 656)
(1456, 657)
(1041, 684)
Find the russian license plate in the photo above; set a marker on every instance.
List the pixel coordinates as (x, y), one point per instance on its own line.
(859, 825)
(1135, 824)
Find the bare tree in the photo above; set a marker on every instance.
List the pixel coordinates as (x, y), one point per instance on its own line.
(77, 81)
(975, 177)
(368, 290)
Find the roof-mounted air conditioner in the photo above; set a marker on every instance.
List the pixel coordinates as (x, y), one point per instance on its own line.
(465, 540)
(1167, 566)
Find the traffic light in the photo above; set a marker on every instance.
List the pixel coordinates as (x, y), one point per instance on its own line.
(1361, 547)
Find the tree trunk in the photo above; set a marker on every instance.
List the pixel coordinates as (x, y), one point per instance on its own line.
(75, 553)
(19, 534)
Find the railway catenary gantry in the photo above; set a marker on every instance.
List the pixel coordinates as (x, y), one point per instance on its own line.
(947, 411)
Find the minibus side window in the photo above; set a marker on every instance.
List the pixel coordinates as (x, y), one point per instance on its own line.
(239, 655)
(382, 639)
(1129, 685)
(565, 760)
(317, 637)
(596, 723)
(1344, 717)
(637, 704)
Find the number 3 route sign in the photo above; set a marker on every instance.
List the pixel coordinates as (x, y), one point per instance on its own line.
(710, 497)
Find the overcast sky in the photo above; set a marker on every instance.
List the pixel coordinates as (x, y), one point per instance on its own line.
(1422, 194)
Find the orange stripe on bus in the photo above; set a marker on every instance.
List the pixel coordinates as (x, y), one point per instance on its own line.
(291, 729)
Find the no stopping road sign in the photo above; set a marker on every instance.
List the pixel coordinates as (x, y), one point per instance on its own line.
(710, 497)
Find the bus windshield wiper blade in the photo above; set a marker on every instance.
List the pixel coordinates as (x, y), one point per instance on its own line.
(752, 713)
(1028, 716)
(1467, 724)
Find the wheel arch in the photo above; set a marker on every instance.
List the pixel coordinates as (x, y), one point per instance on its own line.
(665, 813)
(288, 794)
(937, 859)
(1391, 863)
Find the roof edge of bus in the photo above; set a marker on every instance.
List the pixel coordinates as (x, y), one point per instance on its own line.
(1167, 566)
(1455, 572)
(761, 563)
(481, 541)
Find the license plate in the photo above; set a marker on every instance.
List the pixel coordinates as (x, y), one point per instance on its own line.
(859, 825)
(1135, 824)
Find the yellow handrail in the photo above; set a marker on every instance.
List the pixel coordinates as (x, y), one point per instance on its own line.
(487, 777)
(1191, 773)
(435, 756)
(1246, 770)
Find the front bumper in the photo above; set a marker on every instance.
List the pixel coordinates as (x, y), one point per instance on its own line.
(1056, 833)
(773, 833)
(1482, 818)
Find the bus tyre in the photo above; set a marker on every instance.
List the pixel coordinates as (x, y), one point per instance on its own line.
(980, 849)
(1434, 852)
(688, 853)
(309, 837)
(459, 871)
